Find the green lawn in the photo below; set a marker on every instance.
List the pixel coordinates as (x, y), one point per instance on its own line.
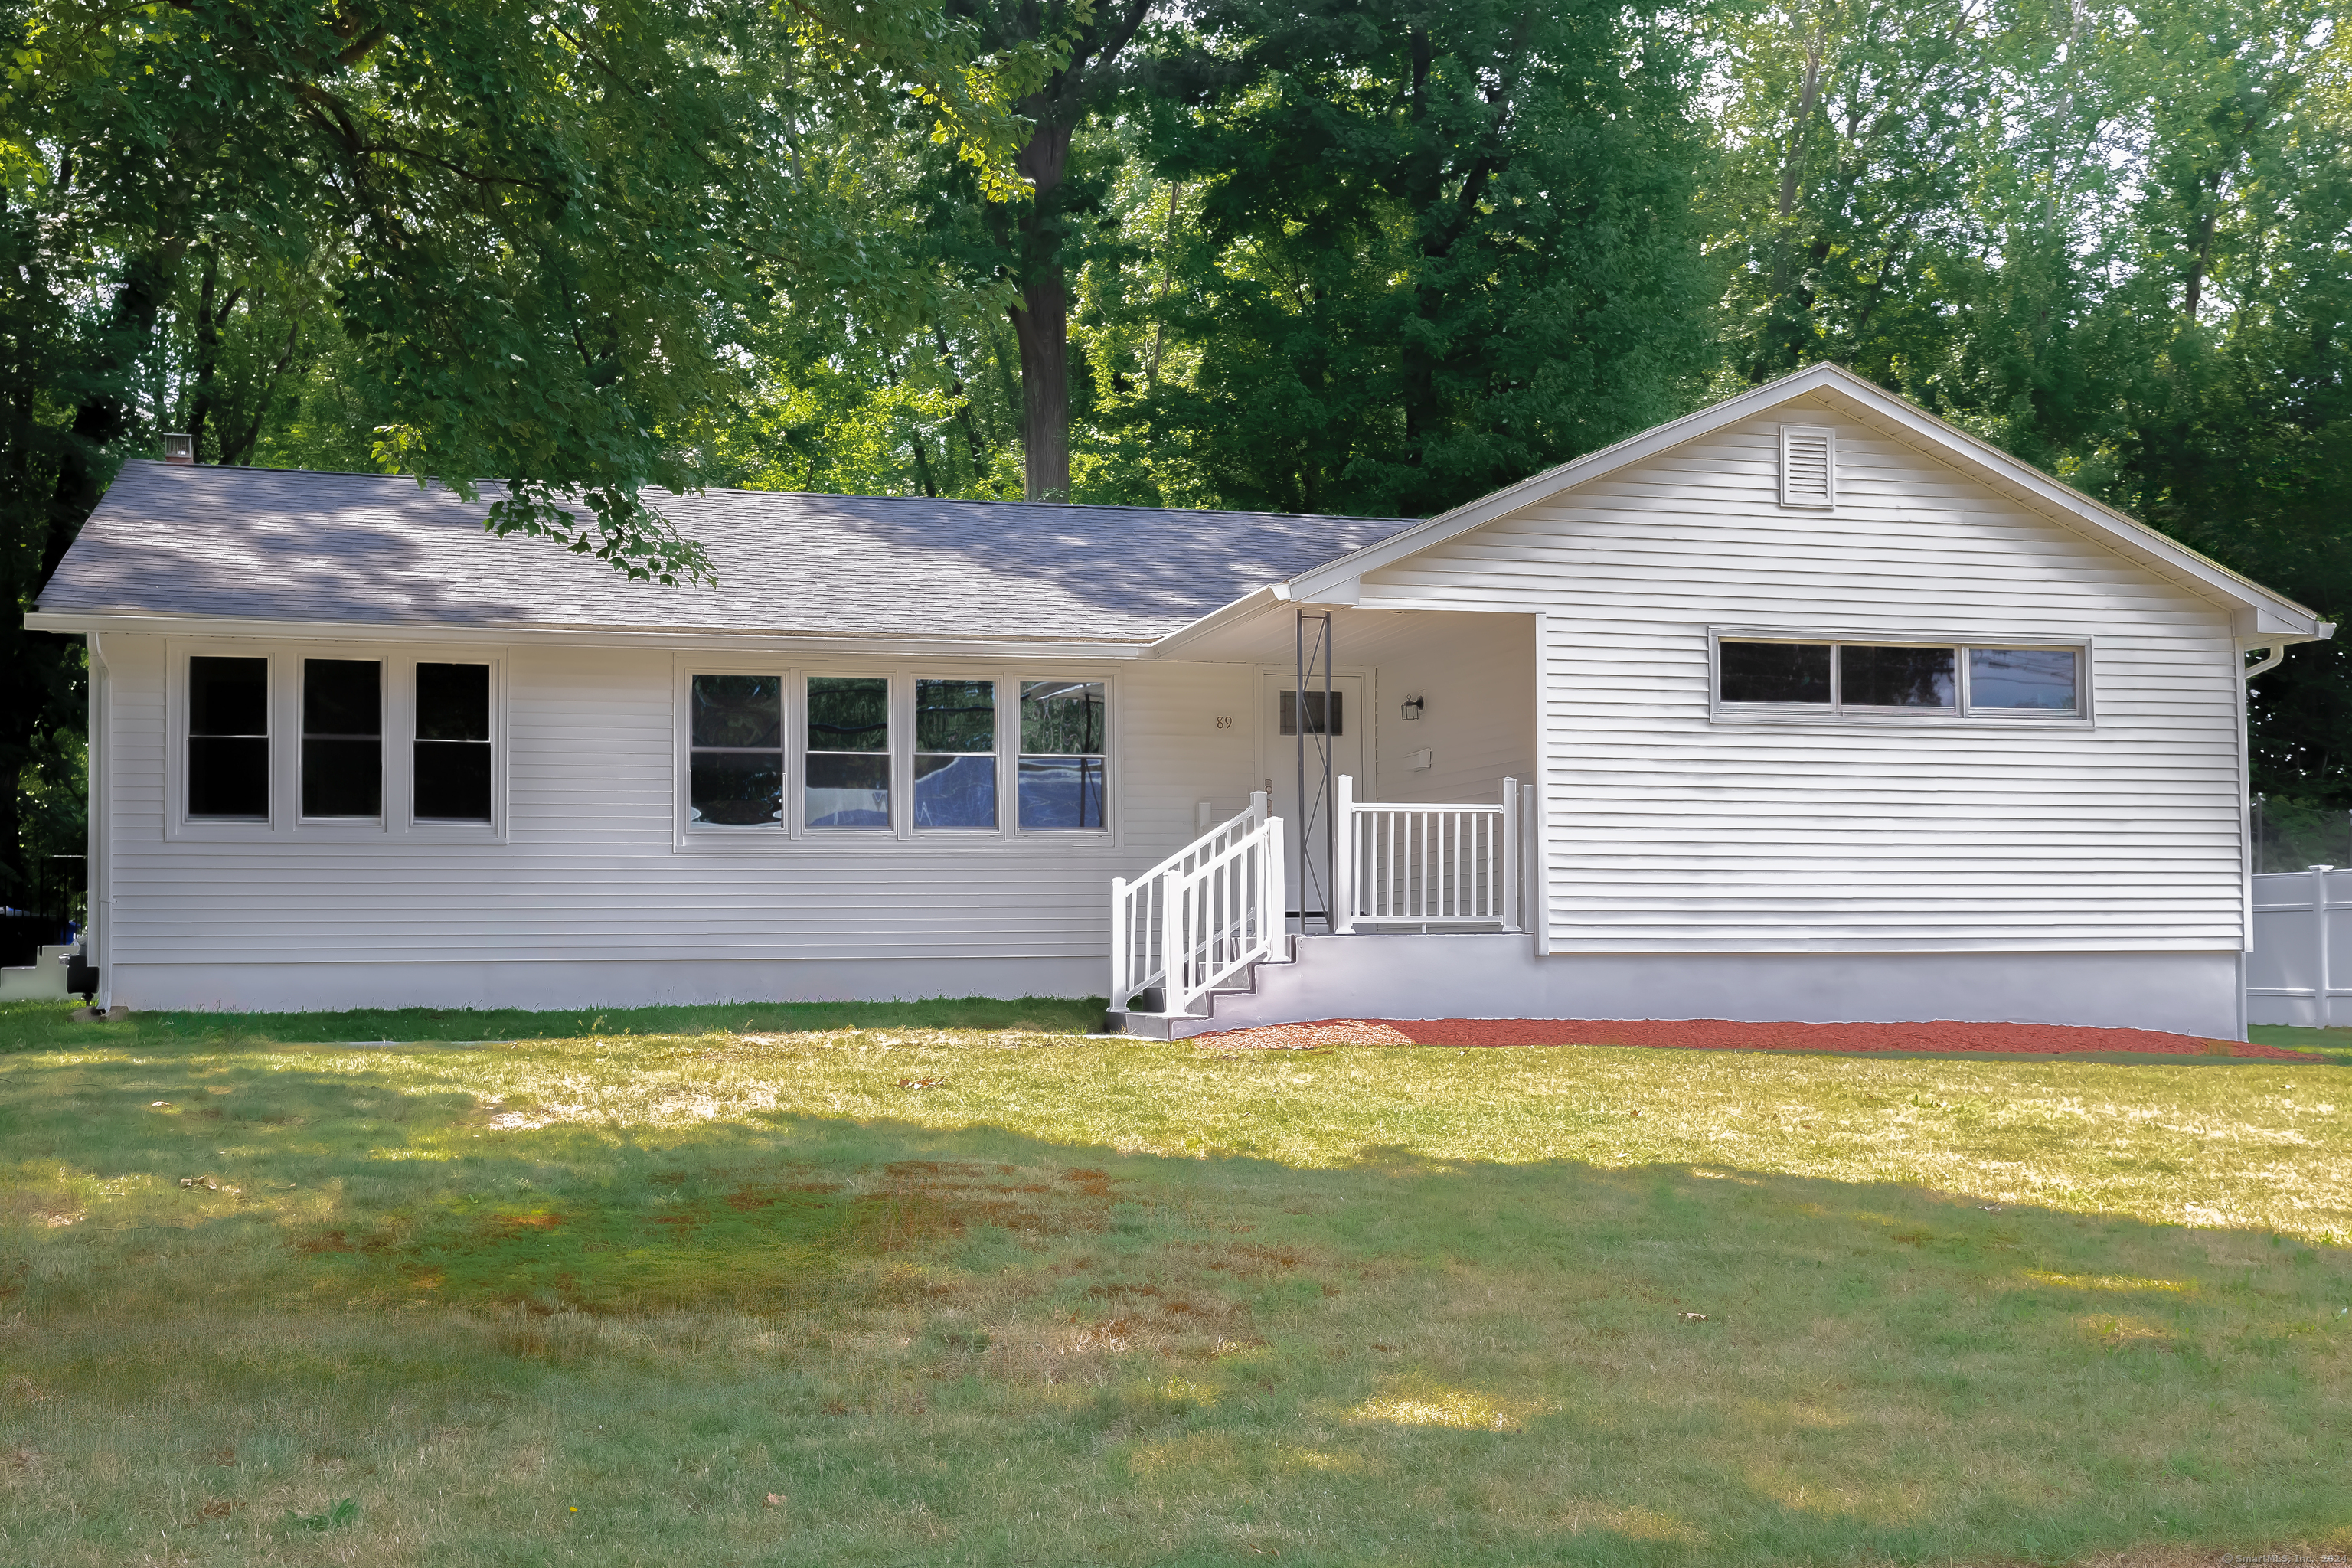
(1015, 1297)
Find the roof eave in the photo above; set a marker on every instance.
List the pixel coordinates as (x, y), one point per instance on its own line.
(145, 623)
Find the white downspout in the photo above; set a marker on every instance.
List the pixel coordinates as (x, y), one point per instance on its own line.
(98, 920)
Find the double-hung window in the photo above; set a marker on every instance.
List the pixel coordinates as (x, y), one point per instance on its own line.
(228, 739)
(450, 757)
(1062, 753)
(343, 739)
(735, 771)
(846, 776)
(1794, 678)
(955, 753)
(342, 748)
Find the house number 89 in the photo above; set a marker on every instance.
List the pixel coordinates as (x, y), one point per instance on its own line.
(1224, 724)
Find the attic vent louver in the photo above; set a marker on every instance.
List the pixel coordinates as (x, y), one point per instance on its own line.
(1808, 466)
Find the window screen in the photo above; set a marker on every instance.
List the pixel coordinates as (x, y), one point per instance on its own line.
(847, 777)
(342, 738)
(1062, 754)
(451, 753)
(229, 738)
(2023, 679)
(955, 753)
(735, 765)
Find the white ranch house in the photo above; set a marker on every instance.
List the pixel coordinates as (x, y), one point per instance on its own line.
(1806, 707)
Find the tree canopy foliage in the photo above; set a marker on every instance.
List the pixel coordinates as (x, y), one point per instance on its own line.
(1330, 255)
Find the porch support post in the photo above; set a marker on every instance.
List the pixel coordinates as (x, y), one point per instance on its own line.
(1343, 856)
(1510, 910)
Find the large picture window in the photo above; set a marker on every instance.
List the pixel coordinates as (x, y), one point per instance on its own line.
(1062, 753)
(955, 753)
(846, 775)
(451, 753)
(342, 738)
(228, 739)
(735, 775)
(1797, 678)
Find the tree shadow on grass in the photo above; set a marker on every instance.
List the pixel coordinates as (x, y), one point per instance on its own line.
(1405, 1360)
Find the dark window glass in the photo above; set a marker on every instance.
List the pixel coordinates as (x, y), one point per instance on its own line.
(1314, 723)
(1062, 717)
(736, 789)
(740, 712)
(848, 713)
(453, 781)
(955, 753)
(229, 738)
(452, 750)
(735, 769)
(1872, 677)
(1062, 745)
(1774, 672)
(848, 790)
(847, 781)
(2039, 680)
(342, 737)
(453, 703)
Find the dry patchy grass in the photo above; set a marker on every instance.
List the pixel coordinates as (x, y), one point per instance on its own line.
(964, 1296)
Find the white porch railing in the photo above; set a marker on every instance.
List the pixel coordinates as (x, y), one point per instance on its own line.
(1426, 865)
(1200, 917)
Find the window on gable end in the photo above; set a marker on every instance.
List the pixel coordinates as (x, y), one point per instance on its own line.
(1809, 467)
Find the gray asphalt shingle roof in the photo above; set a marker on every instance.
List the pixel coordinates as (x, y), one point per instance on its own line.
(278, 544)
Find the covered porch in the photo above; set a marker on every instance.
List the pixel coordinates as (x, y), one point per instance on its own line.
(1397, 754)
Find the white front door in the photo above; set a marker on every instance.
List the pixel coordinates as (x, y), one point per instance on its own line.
(1278, 724)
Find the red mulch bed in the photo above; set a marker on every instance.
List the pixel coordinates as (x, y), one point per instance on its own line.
(1721, 1035)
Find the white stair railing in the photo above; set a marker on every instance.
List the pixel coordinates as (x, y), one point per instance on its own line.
(1426, 865)
(1200, 918)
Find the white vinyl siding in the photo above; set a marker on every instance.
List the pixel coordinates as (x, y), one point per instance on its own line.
(592, 869)
(1477, 676)
(1667, 832)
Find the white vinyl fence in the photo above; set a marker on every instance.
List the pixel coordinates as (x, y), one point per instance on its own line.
(2300, 971)
(1430, 865)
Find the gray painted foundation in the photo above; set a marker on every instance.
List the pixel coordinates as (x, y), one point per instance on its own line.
(1493, 976)
(1374, 976)
(623, 983)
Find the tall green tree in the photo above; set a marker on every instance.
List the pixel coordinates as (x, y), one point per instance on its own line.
(1436, 246)
(1036, 242)
(544, 232)
(2115, 240)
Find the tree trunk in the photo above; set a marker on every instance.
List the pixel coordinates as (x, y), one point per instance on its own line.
(200, 406)
(1041, 324)
(1042, 320)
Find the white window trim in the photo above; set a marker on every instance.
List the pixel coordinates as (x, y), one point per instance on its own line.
(1957, 716)
(898, 703)
(400, 782)
(794, 833)
(397, 822)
